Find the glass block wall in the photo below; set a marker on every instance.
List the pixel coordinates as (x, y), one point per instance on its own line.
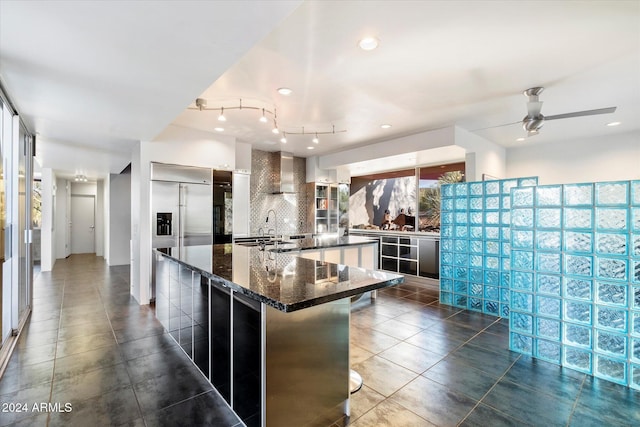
(475, 244)
(575, 277)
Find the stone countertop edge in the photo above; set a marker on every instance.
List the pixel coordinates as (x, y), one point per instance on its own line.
(432, 234)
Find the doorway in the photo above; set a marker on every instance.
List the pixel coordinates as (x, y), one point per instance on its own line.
(82, 224)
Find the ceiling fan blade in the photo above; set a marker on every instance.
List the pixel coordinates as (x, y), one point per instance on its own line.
(582, 113)
(498, 126)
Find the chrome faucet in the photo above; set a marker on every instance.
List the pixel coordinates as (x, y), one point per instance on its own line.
(275, 220)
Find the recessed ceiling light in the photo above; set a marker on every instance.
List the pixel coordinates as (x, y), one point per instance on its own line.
(285, 91)
(219, 129)
(368, 43)
(519, 139)
(385, 126)
(283, 140)
(614, 124)
(310, 148)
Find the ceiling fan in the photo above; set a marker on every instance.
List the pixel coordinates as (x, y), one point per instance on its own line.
(534, 120)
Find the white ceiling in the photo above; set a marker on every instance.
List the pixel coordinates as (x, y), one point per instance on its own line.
(102, 74)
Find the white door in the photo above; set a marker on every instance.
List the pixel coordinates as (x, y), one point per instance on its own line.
(82, 224)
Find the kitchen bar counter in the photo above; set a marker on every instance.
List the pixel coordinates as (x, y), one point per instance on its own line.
(266, 326)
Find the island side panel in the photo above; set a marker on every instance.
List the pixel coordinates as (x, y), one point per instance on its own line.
(306, 364)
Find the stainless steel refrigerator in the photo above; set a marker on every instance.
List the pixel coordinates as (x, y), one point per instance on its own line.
(182, 207)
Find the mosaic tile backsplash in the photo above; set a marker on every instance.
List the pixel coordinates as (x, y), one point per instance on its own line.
(574, 274)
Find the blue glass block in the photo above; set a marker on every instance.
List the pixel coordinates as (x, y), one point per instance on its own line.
(611, 293)
(549, 195)
(612, 193)
(491, 278)
(578, 242)
(577, 288)
(635, 252)
(610, 318)
(505, 281)
(446, 284)
(635, 323)
(577, 335)
(475, 304)
(492, 202)
(522, 239)
(461, 245)
(460, 203)
(446, 258)
(548, 240)
(505, 264)
(635, 271)
(504, 311)
(446, 190)
(549, 218)
(521, 260)
(491, 187)
(635, 298)
(491, 308)
(548, 328)
(611, 244)
(446, 205)
(492, 293)
(461, 273)
(548, 284)
(578, 194)
(505, 217)
(446, 271)
(578, 218)
(528, 182)
(446, 231)
(475, 246)
(461, 286)
(475, 203)
(635, 193)
(446, 218)
(505, 233)
(613, 344)
(635, 349)
(611, 219)
(611, 268)
(476, 290)
(577, 265)
(460, 301)
(520, 343)
(492, 263)
(521, 301)
(577, 359)
(492, 247)
(577, 312)
(475, 188)
(461, 189)
(475, 232)
(492, 233)
(476, 218)
(507, 184)
(506, 202)
(505, 248)
(548, 262)
(610, 369)
(547, 306)
(521, 322)
(492, 218)
(522, 281)
(522, 218)
(505, 295)
(549, 351)
(461, 231)
(461, 260)
(521, 197)
(446, 245)
(635, 219)
(476, 261)
(476, 275)
(446, 298)
(461, 218)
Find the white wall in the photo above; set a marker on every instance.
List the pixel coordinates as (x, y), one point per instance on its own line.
(100, 234)
(119, 219)
(48, 237)
(483, 157)
(63, 206)
(614, 158)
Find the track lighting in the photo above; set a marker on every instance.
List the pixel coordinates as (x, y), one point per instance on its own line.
(221, 117)
(315, 139)
(80, 178)
(284, 138)
(263, 119)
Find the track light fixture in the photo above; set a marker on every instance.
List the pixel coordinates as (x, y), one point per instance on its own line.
(80, 178)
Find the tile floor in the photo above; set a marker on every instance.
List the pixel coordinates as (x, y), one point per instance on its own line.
(88, 343)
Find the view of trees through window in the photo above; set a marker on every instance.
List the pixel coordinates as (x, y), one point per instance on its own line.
(37, 204)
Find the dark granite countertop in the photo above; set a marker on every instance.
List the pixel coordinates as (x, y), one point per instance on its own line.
(282, 279)
(320, 242)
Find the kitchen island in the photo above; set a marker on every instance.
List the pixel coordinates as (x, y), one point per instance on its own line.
(268, 328)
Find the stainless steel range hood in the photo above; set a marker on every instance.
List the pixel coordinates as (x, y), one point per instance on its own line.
(282, 172)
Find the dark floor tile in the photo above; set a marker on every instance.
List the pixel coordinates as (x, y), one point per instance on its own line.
(207, 409)
(484, 416)
(42, 326)
(461, 378)
(33, 419)
(83, 343)
(382, 375)
(82, 363)
(435, 343)
(363, 400)
(493, 363)
(476, 321)
(417, 318)
(584, 417)
(126, 335)
(16, 378)
(358, 354)
(69, 319)
(93, 328)
(115, 408)
(434, 402)
(619, 403)
(92, 384)
(390, 414)
(411, 357)
(501, 327)
(25, 400)
(147, 345)
(371, 340)
(37, 339)
(529, 406)
(155, 364)
(39, 315)
(453, 330)
(24, 356)
(491, 341)
(397, 329)
(367, 319)
(421, 298)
